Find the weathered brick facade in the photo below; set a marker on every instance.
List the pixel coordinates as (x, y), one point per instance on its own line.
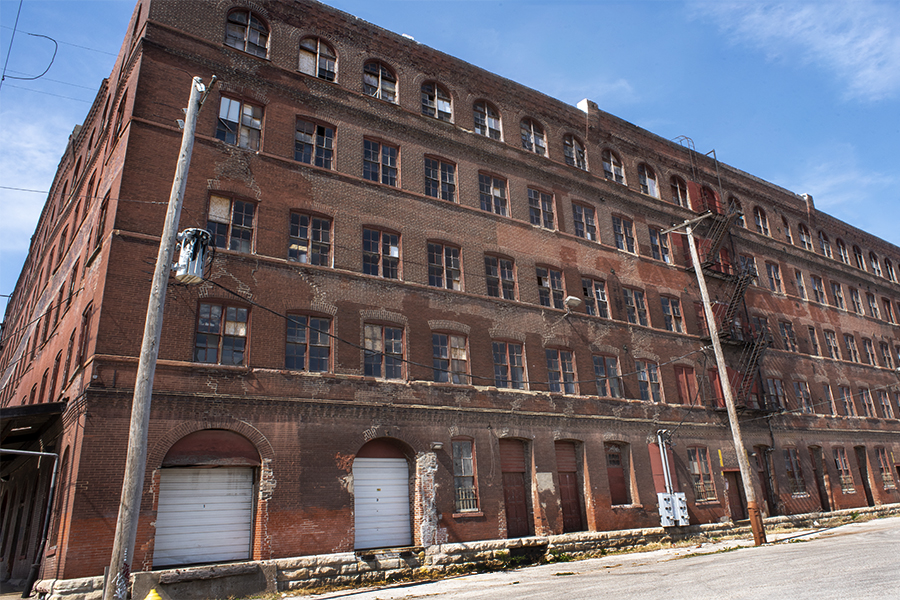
(72, 332)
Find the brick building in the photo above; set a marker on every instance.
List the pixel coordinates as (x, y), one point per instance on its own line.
(441, 307)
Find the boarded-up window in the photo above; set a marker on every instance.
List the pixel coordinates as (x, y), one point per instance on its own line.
(617, 471)
(569, 491)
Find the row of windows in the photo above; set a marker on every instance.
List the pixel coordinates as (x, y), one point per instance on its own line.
(797, 481)
(815, 289)
(621, 475)
(829, 344)
(823, 243)
(222, 334)
(64, 368)
(246, 31)
(380, 164)
(310, 242)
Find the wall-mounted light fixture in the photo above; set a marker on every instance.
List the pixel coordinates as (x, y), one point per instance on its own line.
(437, 446)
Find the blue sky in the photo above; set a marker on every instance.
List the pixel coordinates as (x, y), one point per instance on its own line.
(803, 94)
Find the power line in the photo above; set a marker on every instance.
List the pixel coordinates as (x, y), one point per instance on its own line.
(84, 87)
(16, 189)
(69, 43)
(19, 87)
(52, 58)
(11, 39)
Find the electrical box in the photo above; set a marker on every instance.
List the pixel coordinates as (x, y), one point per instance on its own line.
(673, 509)
(192, 256)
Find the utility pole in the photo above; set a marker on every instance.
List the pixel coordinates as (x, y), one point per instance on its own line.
(119, 575)
(756, 524)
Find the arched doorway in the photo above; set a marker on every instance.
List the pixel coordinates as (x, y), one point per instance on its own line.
(206, 496)
(381, 496)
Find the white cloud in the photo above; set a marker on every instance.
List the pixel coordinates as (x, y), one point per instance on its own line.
(858, 42)
(28, 159)
(835, 176)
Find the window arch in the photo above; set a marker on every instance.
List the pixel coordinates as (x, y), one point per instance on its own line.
(842, 251)
(533, 137)
(761, 221)
(246, 32)
(612, 167)
(805, 236)
(876, 266)
(379, 81)
(734, 206)
(825, 245)
(574, 152)
(317, 59)
(679, 191)
(889, 270)
(787, 230)
(487, 120)
(647, 178)
(858, 258)
(436, 102)
(709, 200)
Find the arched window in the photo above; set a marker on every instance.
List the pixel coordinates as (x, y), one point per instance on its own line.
(876, 266)
(889, 270)
(533, 137)
(317, 59)
(805, 236)
(825, 244)
(734, 206)
(379, 81)
(842, 251)
(679, 191)
(245, 31)
(53, 378)
(858, 259)
(710, 201)
(574, 152)
(787, 230)
(436, 102)
(487, 120)
(648, 181)
(44, 381)
(761, 220)
(612, 167)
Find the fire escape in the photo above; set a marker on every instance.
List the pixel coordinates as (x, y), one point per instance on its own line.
(748, 342)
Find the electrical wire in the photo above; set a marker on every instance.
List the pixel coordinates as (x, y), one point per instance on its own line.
(69, 43)
(19, 87)
(11, 40)
(52, 58)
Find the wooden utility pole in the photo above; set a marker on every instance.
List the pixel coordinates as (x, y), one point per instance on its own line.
(119, 575)
(756, 524)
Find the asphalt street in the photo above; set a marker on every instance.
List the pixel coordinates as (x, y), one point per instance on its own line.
(855, 561)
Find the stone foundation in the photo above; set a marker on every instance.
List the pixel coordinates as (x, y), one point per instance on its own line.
(374, 566)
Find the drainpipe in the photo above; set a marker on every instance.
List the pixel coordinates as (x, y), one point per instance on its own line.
(36, 565)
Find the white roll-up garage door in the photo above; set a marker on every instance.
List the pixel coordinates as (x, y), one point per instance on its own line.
(381, 491)
(203, 516)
